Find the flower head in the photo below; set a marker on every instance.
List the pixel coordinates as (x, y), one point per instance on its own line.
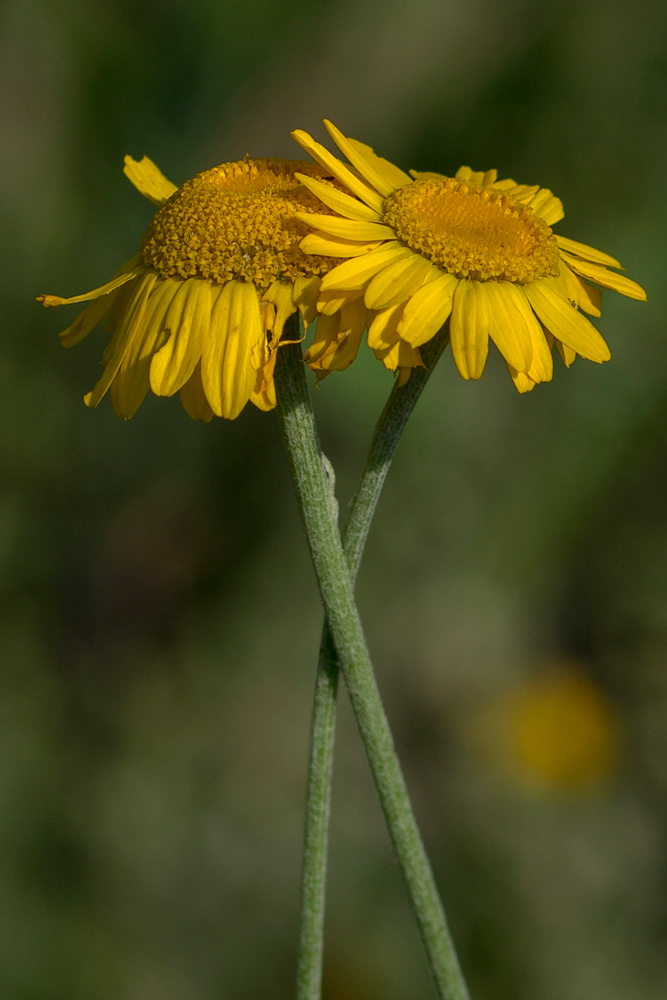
(423, 249)
(201, 308)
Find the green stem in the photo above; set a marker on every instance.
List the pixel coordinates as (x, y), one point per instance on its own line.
(318, 510)
(402, 401)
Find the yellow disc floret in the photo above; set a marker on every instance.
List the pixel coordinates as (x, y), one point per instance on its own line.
(236, 222)
(472, 231)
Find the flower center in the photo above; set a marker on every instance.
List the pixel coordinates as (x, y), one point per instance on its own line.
(236, 221)
(472, 232)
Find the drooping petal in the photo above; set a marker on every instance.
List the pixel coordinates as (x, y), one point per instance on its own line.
(326, 335)
(508, 327)
(187, 322)
(469, 329)
(579, 292)
(564, 321)
(350, 332)
(148, 179)
(120, 299)
(280, 294)
(133, 268)
(305, 295)
(567, 354)
(133, 379)
(228, 374)
(127, 331)
(427, 310)
(400, 356)
(194, 399)
(590, 297)
(522, 381)
(383, 330)
(87, 320)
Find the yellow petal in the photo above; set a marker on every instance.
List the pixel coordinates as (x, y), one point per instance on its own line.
(353, 274)
(280, 294)
(504, 184)
(129, 328)
(508, 327)
(391, 173)
(344, 204)
(427, 310)
(329, 302)
(86, 321)
(383, 330)
(148, 180)
(350, 331)
(335, 246)
(400, 356)
(469, 329)
(590, 297)
(347, 228)
(565, 322)
(263, 395)
(132, 269)
(579, 292)
(522, 381)
(327, 160)
(588, 253)
(566, 353)
(187, 322)
(305, 295)
(119, 301)
(398, 281)
(194, 399)
(133, 380)
(364, 163)
(542, 367)
(471, 176)
(547, 206)
(608, 279)
(427, 175)
(523, 193)
(326, 335)
(228, 374)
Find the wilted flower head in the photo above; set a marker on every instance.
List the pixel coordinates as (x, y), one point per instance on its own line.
(200, 309)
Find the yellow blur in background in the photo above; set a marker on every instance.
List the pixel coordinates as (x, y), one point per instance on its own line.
(561, 731)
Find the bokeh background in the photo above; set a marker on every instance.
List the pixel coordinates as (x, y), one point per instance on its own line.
(159, 619)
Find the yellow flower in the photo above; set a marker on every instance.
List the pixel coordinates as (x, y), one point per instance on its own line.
(471, 249)
(201, 308)
(562, 731)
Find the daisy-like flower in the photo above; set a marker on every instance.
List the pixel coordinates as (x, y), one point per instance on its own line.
(479, 252)
(200, 309)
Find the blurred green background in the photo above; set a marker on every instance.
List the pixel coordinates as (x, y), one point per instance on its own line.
(160, 620)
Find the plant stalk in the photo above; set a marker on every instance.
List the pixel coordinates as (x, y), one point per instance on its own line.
(319, 513)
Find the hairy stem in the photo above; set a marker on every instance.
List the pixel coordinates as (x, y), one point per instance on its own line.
(400, 404)
(319, 513)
